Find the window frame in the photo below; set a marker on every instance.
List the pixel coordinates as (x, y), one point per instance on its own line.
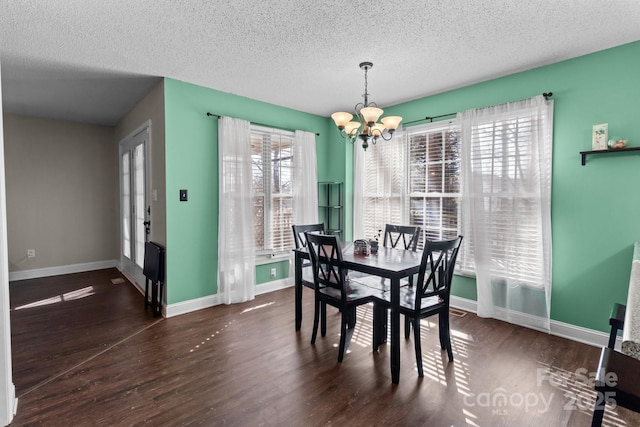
(267, 193)
(443, 160)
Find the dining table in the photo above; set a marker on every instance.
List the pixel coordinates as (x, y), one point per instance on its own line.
(387, 263)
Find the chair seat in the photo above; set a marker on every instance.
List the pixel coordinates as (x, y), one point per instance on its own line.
(355, 292)
(408, 298)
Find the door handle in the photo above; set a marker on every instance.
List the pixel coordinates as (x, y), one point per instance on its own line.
(147, 227)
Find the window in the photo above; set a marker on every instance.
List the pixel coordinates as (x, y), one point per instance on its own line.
(434, 181)
(419, 180)
(383, 186)
(271, 158)
(414, 180)
(509, 181)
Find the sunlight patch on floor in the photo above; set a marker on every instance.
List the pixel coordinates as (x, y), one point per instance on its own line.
(578, 390)
(209, 338)
(69, 296)
(257, 307)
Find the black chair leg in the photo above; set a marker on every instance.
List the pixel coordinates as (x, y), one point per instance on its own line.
(146, 293)
(416, 338)
(159, 306)
(316, 315)
(343, 335)
(612, 337)
(378, 317)
(447, 337)
(352, 318)
(442, 331)
(323, 319)
(407, 327)
(598, 411)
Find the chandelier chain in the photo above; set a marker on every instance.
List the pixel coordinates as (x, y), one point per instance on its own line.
(366, 91)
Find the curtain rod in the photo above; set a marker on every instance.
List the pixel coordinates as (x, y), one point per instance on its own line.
(262, 124)
(546, 95)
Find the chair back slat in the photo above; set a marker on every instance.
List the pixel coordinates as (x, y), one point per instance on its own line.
(299, 230)
(408, 234)
(436, 269)
(326, 259)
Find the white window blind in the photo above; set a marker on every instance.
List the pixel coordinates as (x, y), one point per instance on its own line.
(434, 181)
(272, 154)
(507, 175)
(384, 166)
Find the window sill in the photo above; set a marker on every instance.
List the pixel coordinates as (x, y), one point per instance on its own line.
(465, 273)
(269, 258)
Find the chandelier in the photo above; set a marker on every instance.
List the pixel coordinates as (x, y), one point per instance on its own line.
(367, 113)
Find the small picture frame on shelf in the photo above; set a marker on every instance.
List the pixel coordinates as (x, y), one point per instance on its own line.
(599, 135)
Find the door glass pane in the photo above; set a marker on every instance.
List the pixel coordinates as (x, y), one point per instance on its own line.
(126, 206)
(139, 204)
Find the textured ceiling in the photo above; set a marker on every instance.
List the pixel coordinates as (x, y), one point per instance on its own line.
(92, 60)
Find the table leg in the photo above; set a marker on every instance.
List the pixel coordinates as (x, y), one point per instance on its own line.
(298, 290)
(395, 330)
(379, 325)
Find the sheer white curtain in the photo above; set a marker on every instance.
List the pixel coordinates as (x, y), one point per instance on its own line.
(506, 169)
(305, 179)
(379, 186)
(236, 242)
(305, 183)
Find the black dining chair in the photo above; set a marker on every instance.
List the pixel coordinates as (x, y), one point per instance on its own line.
(300, 241)
(399, 237)
(408, 235)
(431, 293)
(334, 287)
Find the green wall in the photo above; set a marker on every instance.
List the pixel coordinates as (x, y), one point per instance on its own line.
(595, 208)
(192, 164)
(263, 272)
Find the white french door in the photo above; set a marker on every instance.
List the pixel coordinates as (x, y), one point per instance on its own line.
(134, 205)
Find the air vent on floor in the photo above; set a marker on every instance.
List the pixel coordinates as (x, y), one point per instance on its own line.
(456, 312)
(117, 280)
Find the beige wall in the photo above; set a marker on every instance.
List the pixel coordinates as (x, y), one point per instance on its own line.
(62, 192)
(151, 107)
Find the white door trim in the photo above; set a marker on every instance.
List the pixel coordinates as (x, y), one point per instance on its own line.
(124, 145)
(8, 401)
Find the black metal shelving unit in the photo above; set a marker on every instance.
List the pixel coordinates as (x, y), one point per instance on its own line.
(330, 206)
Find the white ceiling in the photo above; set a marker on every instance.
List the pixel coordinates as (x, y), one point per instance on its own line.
(90, 61)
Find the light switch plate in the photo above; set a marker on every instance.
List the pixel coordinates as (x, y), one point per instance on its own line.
(183, 195)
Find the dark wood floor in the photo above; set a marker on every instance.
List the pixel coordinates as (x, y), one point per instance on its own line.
(85, 354)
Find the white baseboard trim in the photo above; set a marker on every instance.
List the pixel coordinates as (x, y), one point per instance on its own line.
(580, 334)
(63, 269)
(185, 307)
(188, 306)
(274, 285)
(15, 401)
(464, 304)
(560, 329)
